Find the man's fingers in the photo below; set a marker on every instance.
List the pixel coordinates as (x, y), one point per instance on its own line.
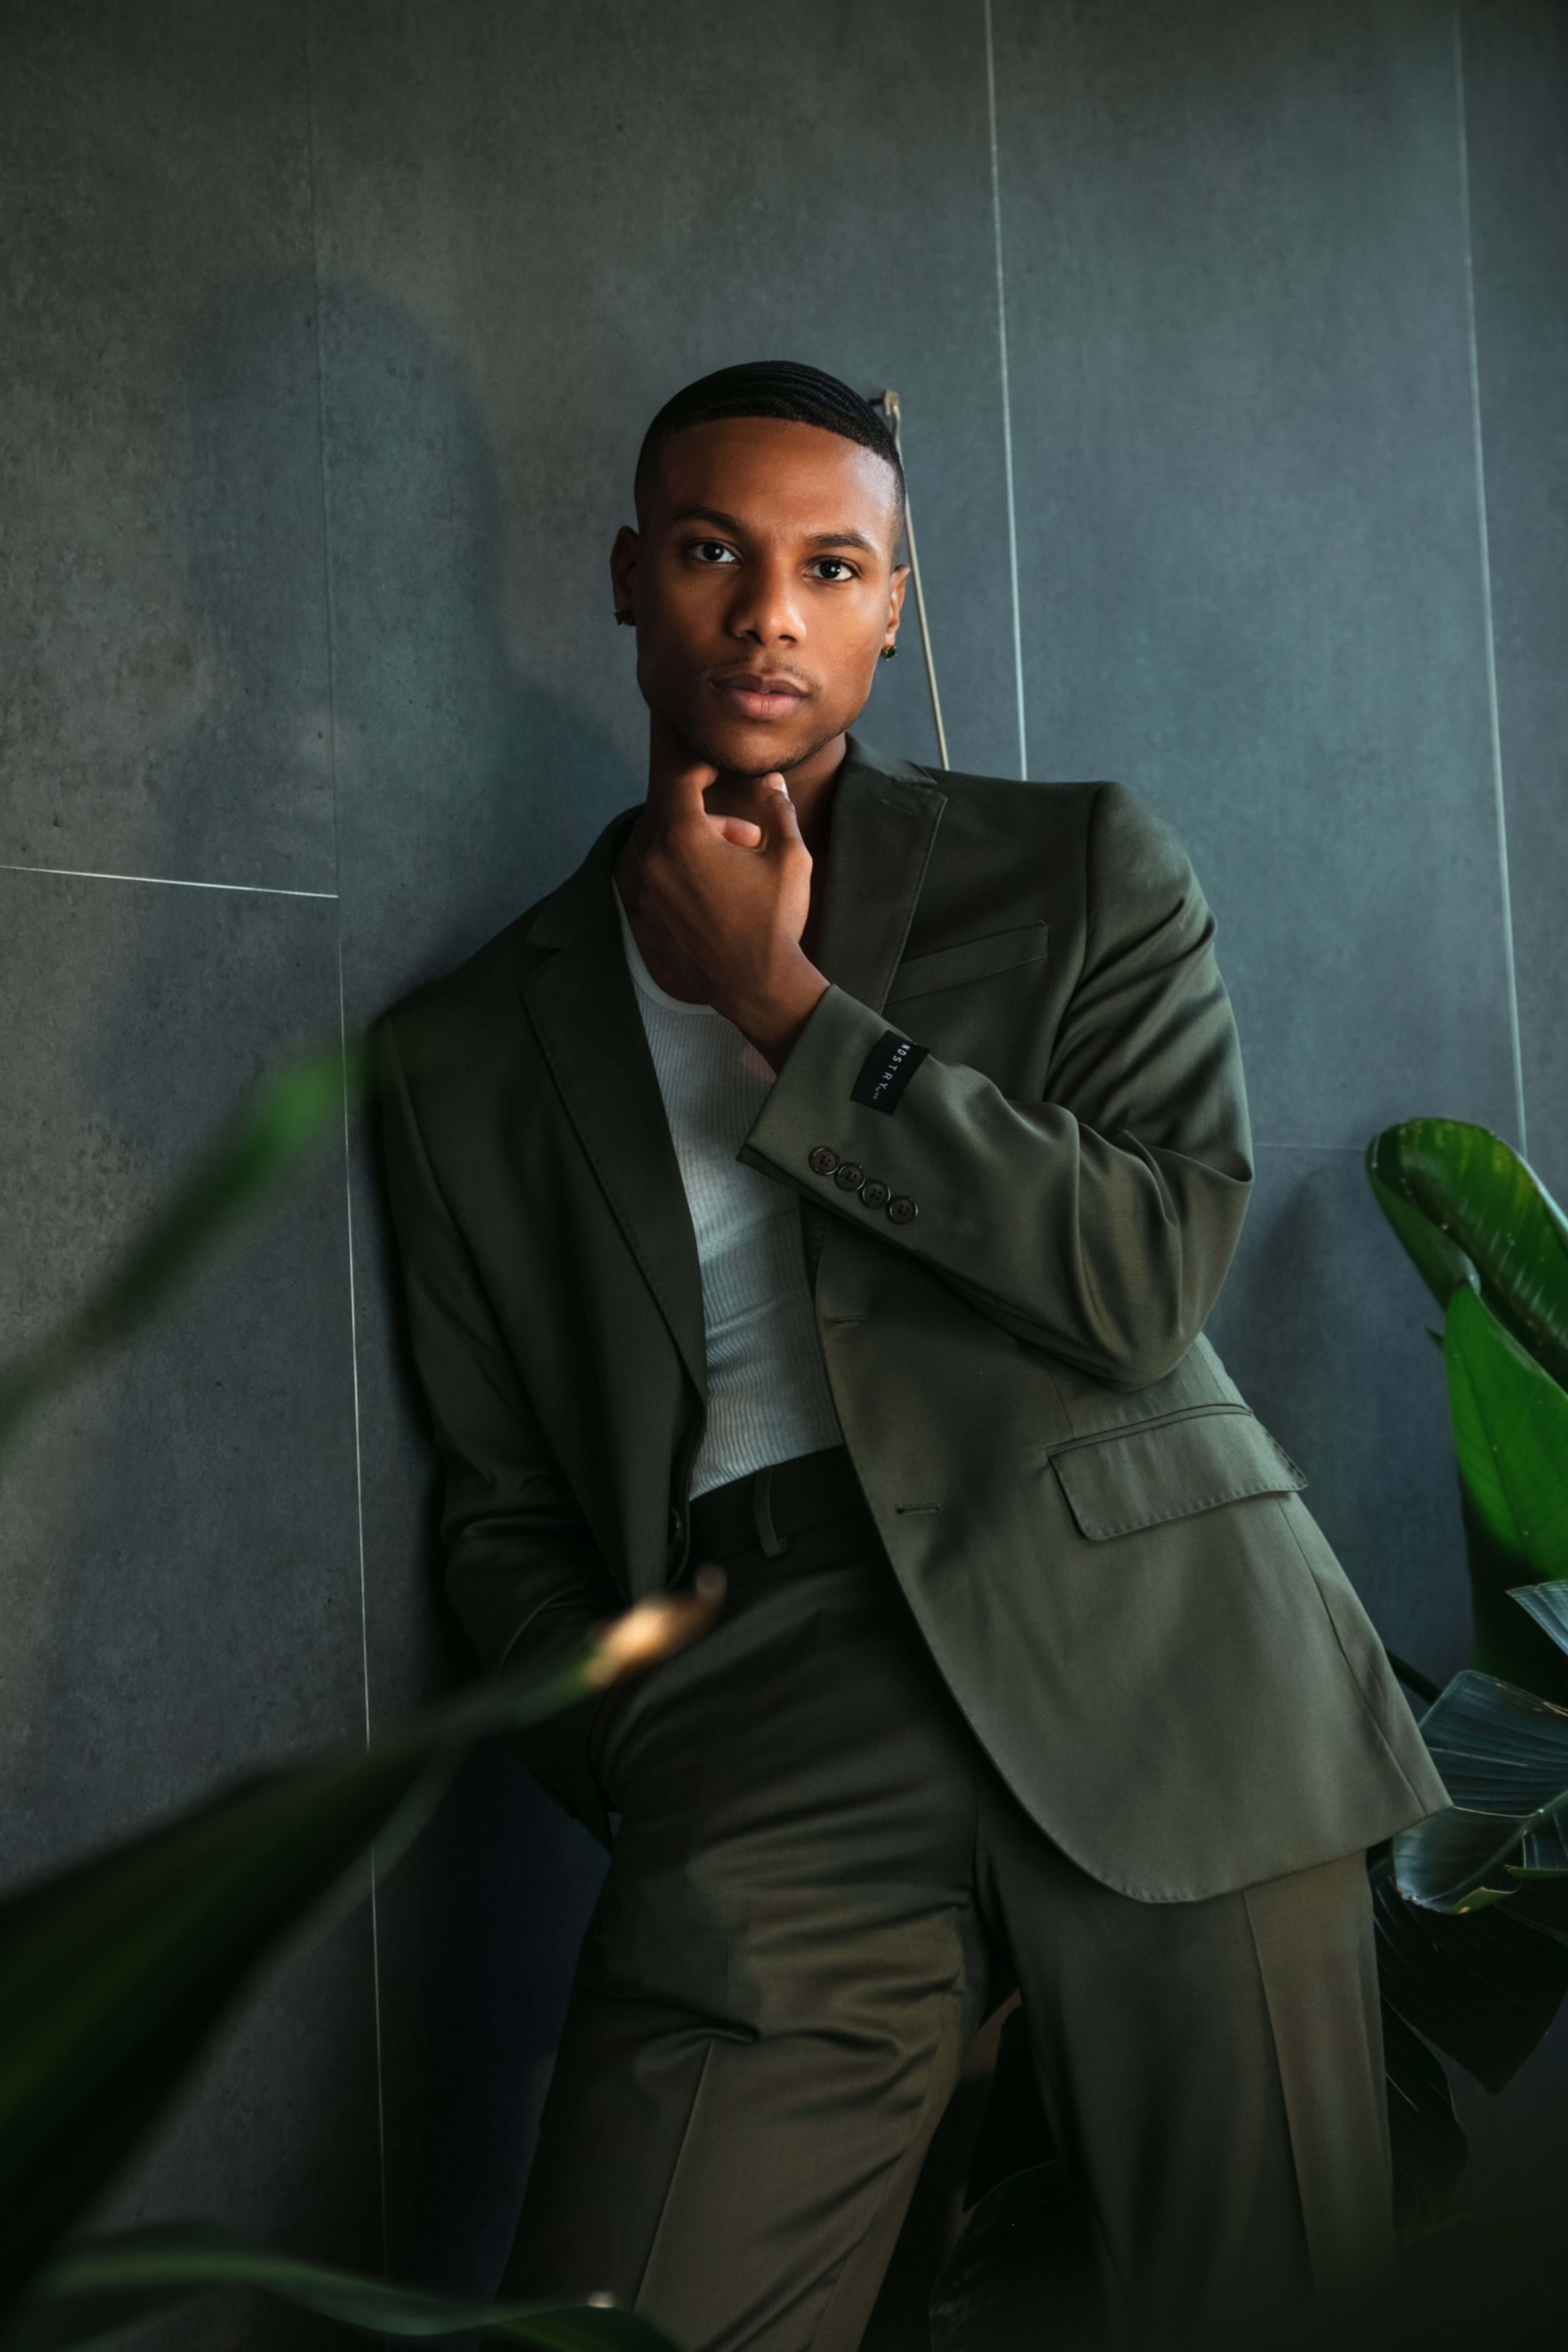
(738, 829)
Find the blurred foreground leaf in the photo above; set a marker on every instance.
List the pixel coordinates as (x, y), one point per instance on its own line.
(114, 1973)
(268, 1139)
(108, 2286)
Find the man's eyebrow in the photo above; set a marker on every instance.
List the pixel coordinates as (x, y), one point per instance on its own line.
(821, 538)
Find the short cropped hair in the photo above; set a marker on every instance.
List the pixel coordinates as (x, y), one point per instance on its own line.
(782, 388)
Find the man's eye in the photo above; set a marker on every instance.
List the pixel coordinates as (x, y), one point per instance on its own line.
(833, 568)
(713, 550)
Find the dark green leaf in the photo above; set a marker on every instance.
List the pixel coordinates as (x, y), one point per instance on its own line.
(1548, 1604)
(109, 2284)
(113, 1974)
(1503, 1756)
(1484, 1989)
(1507, 1643)
(291, 1109)
(1460, 1200)
(1511, 1435)
(1022, 2274)
(1429, 2148)
(1510, 1432)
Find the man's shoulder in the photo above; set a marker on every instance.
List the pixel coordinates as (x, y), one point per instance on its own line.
(1048, 811)
(467, 1000)
(1090, 837)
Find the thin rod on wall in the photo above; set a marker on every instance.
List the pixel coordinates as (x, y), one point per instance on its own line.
(888, 401)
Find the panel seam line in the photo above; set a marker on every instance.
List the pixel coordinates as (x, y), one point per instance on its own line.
(165, 881)
(329, 604)
(1007, 388)
(1484, 531)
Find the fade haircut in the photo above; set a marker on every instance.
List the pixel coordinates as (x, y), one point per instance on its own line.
(782, 388)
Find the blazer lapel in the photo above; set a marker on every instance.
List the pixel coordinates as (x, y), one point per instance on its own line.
(885, 817)
(583, 1009)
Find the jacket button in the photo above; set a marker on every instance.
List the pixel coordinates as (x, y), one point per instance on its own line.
(901, 1210)
(873, 1194)
(821, 1160)
(850, 1176)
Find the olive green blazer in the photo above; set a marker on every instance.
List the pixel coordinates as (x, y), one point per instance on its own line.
(1016, 1237)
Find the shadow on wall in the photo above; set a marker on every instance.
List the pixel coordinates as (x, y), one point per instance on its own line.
(455, 793)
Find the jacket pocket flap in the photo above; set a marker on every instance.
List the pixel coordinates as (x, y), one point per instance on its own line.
(1138, 1477)
(969, 959)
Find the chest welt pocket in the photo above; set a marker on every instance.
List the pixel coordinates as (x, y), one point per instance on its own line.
(968, 960)
(1138, 1477)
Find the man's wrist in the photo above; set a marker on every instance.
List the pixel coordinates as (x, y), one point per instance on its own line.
(772, 1019)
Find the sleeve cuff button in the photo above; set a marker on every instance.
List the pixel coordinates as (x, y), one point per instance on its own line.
(849, 1175)
(821, 1160)
(901, 1210)
(873, 1194)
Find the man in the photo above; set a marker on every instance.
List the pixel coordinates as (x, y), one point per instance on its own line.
(831, 1178)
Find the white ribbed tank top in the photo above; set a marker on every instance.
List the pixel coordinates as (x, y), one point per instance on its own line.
(768, 1397)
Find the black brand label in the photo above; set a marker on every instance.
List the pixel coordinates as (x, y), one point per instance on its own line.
(886, 1071)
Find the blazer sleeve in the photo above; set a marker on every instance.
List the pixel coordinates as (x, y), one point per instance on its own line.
(521, 1569)
(1099, 1222)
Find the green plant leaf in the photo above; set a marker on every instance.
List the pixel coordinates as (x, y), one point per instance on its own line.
(114, 1973)
(1483, 1989)
(1468, 1209)
(1503, 1756)
(1548, 1604)
(258, 1149)
(1511, 1437)
(108, 2286)
(1428, 2145)
(1511, 1431)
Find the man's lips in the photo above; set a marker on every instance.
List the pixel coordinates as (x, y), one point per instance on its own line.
(758, 694)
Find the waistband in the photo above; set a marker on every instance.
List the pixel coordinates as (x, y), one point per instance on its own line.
(764, 1509)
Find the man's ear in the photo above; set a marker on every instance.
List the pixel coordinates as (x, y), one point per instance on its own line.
(896, 583)
(623, 567)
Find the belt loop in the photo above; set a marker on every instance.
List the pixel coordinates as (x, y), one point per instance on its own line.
(768, 1536)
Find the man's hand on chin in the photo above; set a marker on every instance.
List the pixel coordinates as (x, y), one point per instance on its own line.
(717, 905)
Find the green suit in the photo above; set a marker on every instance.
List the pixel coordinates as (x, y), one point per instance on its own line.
(1106, 1551)
(1083, 1695)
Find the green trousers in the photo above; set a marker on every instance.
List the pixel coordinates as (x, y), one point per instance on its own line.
(818, 1880)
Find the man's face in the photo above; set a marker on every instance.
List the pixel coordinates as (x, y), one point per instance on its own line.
(765, 588)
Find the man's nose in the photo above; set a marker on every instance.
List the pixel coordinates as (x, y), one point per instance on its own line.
(766, 605)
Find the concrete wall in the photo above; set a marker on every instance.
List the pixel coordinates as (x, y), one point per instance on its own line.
(1234, 350)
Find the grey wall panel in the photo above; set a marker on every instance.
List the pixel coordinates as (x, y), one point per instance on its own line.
(1246, 505)
(178, 1529)
(535, 226)
(161, 611)
(1323, 1321)
(1515, 82)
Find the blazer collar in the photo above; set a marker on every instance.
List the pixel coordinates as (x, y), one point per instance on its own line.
(885, 817)
(582, 1005)
(583, 1008)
